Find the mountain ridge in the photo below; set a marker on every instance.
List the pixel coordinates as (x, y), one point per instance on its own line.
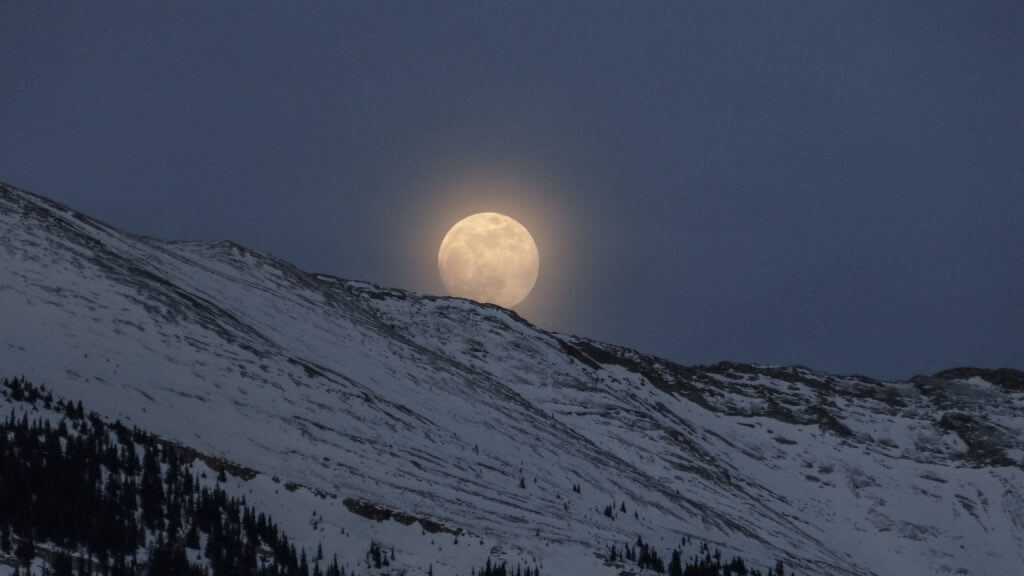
(1004, 373)
(399, 390)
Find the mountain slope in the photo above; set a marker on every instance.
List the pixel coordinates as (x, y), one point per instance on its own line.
(440, 408)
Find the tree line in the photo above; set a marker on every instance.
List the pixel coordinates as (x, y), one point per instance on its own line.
(705, 563)
(109, 500)
(113, 501)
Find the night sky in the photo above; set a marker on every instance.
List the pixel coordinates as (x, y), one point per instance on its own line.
(838, 185)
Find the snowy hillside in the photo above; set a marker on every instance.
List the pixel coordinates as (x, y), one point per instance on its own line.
(480, 424)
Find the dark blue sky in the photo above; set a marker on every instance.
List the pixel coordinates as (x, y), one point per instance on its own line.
(839, 185)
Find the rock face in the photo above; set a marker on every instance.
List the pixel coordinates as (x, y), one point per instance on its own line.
(440, 409)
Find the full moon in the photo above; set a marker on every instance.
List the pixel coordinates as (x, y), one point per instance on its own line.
(489, 257)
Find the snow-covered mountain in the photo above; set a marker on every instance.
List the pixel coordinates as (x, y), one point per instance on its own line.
(366, 402)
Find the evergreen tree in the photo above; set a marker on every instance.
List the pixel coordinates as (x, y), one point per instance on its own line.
(62, 564)
(151, 490)
(675, 566)
(5, 539)
(25, 551)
